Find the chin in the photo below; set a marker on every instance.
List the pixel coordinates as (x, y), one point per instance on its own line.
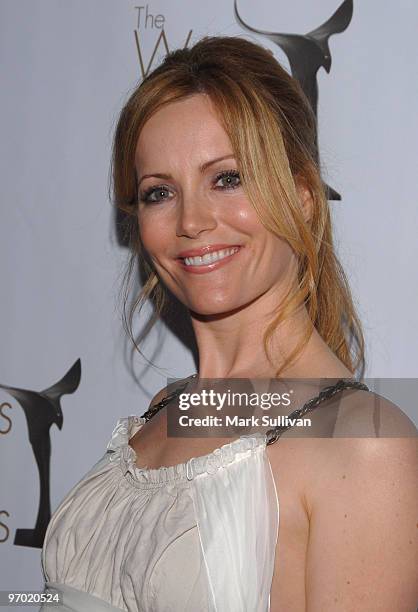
(215, 309)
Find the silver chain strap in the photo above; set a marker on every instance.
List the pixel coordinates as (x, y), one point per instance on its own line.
(166, 400)
(274, 434)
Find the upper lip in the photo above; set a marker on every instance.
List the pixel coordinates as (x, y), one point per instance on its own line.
(206, 249)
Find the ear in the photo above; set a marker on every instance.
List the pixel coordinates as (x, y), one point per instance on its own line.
(305, 198)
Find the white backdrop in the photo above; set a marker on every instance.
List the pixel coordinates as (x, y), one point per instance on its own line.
(66, 68)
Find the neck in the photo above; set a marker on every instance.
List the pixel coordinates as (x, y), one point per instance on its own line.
(231, 345)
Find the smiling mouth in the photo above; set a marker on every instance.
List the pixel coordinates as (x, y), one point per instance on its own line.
(209, 258)
(209, 261)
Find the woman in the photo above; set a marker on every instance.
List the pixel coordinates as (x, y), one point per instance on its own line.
(215, 153)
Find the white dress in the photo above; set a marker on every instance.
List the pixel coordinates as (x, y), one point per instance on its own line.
(199, 536)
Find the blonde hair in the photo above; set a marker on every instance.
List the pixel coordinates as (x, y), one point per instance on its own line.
(272, 130)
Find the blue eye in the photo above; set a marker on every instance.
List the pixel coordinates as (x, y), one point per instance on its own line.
(148, 195)
(145, 197)
(234, 174)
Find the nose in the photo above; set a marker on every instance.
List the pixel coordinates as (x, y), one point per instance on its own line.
(194, 217)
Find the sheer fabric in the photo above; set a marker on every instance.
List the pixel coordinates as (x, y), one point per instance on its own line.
(200, 535)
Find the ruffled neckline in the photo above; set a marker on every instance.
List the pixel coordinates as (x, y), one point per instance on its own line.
(122, 453)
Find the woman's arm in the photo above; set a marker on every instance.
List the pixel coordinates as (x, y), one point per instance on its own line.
(362, 549)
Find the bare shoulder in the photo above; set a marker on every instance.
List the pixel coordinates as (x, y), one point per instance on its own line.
(339, 495)
(360, 485)
(361, 413)
(358, 465)
(370, 436)
(346, 429)
(162, 393)
(159, 396)
(363, 491)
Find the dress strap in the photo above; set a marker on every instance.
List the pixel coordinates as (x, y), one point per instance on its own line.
(272, 435)
(166, 400)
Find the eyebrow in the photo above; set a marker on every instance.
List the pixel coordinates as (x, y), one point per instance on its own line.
(202, 168)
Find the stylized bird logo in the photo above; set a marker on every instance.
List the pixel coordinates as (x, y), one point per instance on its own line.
(42, 409)
(307, 53)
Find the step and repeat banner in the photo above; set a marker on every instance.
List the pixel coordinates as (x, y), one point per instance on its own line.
(68, 370)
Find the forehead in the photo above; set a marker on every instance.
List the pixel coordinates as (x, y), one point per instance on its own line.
(180, 131)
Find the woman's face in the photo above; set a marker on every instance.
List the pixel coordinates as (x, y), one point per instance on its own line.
(192, 202)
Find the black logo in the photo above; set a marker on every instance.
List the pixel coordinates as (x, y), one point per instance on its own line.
(42, 409)
(307, 53)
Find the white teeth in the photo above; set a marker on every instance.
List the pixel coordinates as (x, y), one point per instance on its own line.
(209, 257)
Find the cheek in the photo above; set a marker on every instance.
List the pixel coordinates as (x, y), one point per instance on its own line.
(145, 237)
(153, 241)
(242, 214)
(244, 217)
(282, 261)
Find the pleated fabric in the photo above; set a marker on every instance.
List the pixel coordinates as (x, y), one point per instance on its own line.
(237, 514)
(200, 535)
